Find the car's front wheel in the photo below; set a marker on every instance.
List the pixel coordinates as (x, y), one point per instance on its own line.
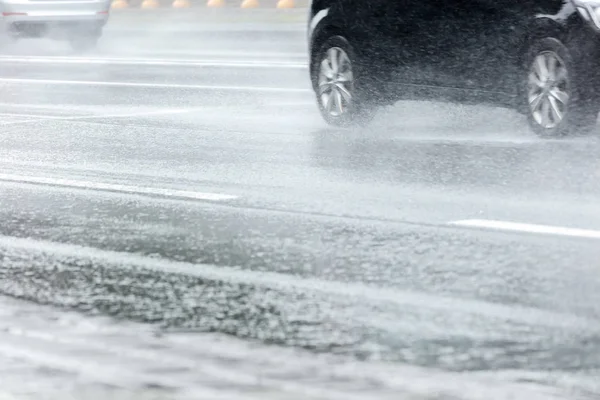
(557, 103)
(342, 95)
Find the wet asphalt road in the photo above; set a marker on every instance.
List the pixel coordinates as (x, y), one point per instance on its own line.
(185, 178)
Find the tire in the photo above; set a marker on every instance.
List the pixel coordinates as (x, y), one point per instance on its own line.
(554, 94)
(84, 43)
(341, 89)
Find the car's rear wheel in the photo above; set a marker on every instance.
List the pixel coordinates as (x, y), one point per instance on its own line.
(556, 101)
(342, 94)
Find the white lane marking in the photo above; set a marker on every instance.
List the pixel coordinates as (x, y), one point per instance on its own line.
(152, 85)
(67, 108)
(20, 118)
(18, 122)
(194, 54)
(306, 103)
(18, 115)
(528, 228)
(12, 119)
(358, 292)
(155, 62)
(112, 187)
(38, 117)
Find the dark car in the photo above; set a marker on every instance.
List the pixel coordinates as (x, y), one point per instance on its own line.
(540, 57)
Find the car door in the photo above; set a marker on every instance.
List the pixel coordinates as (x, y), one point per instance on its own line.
(425, 35)
(370, 27)
(463, 44)
(490, 36)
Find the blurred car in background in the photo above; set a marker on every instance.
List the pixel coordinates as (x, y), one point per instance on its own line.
(539, 57)
(80, 22)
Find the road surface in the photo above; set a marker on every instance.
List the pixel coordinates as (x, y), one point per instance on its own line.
(178, 221)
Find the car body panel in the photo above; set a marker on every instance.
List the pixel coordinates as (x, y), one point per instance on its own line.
(463, 50)
(36, 18)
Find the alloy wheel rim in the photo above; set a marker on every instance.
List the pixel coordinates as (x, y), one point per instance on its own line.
(336, 82)
(548, 90)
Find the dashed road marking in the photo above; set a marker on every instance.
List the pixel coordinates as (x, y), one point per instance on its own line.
(528, 228)
(154, 62)
(152, 85)
(30, 118)
(118, 188)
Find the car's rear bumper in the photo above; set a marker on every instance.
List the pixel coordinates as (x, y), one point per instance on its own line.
(36, 18)
(48, 11)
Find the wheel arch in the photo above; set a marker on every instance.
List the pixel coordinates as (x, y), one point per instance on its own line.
(324, 30)
(543, 27)
(582, 108)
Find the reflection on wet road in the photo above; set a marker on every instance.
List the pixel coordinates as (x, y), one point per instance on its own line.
(212, 199)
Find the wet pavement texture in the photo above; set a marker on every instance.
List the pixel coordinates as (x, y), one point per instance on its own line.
(185, 189)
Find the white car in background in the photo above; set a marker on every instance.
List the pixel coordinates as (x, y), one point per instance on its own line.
(78, 21)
